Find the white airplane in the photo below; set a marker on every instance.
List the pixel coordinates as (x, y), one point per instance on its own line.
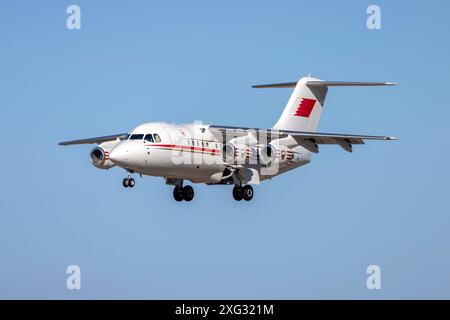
(235, 156)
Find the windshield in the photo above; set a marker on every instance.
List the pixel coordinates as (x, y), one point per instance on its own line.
(136, 137)
(149, 138)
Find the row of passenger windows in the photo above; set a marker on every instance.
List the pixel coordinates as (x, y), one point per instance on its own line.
(156, 138)
(203, 144)
(150, 137)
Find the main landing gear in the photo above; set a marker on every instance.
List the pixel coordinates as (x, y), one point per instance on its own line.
(245, 192)
(128, 182)
(180, 192)
(185, 193)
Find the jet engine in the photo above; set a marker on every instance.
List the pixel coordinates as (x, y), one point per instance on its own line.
(100, 155)
(235, 154)
(269, 154)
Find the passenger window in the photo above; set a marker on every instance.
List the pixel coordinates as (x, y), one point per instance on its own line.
(148, 137)
(157, 137)
(136, 137)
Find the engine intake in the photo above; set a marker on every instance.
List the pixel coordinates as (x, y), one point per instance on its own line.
(267, 154)
(270, 154)
(100, 158)
(235, 154)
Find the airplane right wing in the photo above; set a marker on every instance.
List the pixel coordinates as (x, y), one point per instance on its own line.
(308, 140)
(311, 140)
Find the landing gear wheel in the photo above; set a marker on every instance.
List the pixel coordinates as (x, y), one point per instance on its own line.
(247, 193)
(188, 193)
(178, 194)
(131, 182)
(125, 183)
(237, 193)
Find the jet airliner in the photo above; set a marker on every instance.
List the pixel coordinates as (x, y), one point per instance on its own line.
(236, 156)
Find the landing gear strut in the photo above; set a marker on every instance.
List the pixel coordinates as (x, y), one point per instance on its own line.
(185, 193)
(245, 192)
(128, 182)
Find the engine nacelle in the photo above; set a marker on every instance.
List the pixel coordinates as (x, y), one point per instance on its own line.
(100, 155)
(270, 154)
(267, 154)
(235, 154)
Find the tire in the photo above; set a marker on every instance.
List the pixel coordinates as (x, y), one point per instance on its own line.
(125, 183)
(247, 193)
(188, 193)
(237, 193)
(131, 182)
(178, 194)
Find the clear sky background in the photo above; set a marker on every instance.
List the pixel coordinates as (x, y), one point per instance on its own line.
(310, 233)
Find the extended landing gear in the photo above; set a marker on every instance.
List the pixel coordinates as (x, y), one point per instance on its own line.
(128, 182)
(245, 192)
(185, 193)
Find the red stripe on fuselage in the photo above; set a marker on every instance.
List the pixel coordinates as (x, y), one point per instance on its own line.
(189, 148)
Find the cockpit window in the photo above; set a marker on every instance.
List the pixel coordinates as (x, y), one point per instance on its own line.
(157, 137)
(136, 137)
(148, 137)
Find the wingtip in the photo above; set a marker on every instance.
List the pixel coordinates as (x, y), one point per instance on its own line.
(392, 138)
(391, 84)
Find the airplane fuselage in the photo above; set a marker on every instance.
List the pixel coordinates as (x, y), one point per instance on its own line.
(189, 152)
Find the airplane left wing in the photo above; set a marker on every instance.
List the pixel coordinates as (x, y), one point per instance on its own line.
(97, 140)
(308, 140)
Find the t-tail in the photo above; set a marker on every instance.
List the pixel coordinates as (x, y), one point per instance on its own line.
(303, 110)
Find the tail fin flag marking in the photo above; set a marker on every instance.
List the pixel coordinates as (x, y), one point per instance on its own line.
(305, 107)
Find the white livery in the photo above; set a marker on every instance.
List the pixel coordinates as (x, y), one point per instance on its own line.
(237, 156)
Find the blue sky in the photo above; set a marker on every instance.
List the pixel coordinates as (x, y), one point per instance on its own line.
(310, 233)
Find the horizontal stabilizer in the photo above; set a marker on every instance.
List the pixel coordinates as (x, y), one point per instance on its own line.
(321, 83)
(276, 85)
(347, 84)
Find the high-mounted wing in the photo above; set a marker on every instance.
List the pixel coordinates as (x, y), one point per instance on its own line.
(94, 140)
(309, 140)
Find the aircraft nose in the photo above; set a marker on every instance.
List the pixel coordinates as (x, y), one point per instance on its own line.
(119, 155)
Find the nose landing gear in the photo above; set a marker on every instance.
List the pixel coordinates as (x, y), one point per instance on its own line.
(128, 182)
